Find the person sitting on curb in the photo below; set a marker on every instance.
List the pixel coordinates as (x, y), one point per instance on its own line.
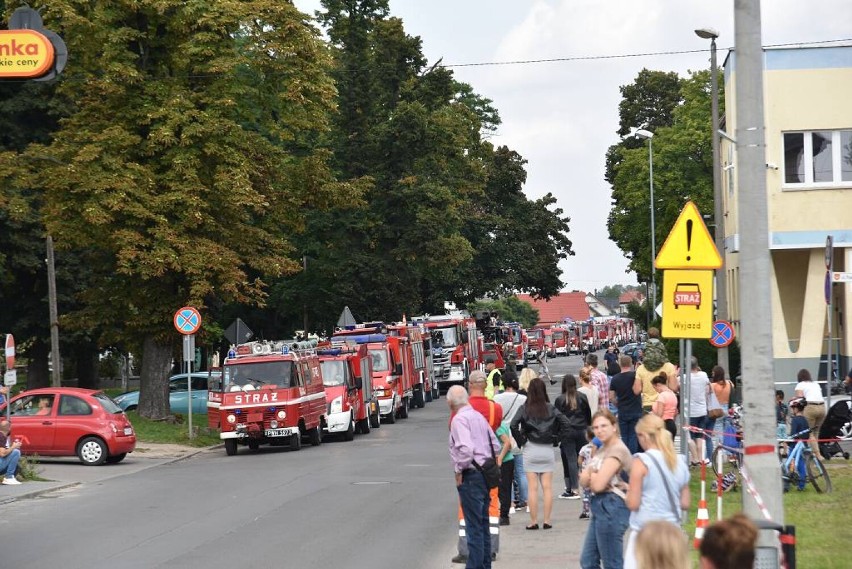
(10, 454)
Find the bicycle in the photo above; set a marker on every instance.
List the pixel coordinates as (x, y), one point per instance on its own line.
(801, 460)
(732, 459)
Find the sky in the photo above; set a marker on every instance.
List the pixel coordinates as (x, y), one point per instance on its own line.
(562, 116)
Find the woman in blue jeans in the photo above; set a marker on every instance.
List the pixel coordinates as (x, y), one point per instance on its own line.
(606, 476)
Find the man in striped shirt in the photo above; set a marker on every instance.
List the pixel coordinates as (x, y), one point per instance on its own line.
(598, 380)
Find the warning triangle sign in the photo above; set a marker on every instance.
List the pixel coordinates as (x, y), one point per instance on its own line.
(689, 245)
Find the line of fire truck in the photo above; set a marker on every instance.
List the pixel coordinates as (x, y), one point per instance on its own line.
(283, 393)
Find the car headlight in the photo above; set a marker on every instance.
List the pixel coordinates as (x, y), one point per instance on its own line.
(282, 414)
(336, 405)
(232, 419)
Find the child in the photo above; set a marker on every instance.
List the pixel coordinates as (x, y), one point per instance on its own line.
(781, 421)
(583, 457)
(801, 432)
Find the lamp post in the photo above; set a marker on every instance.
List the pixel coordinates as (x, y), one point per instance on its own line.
(718, 206)
(649, 136)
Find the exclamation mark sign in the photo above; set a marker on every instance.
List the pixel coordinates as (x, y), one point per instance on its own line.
(688, 237)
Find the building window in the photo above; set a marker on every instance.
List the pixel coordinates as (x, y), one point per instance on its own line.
(818, 158)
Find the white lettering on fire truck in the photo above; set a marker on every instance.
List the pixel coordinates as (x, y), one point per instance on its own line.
(256, 398)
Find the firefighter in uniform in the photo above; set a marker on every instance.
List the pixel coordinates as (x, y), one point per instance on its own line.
(493, 413)
(494, 382)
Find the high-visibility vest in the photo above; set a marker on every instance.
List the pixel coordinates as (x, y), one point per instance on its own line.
(489, 383)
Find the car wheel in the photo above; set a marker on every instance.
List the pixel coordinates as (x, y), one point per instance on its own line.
(315, 436)
(376, 420)
(364, 425)
(403, 409)
(116, 458)
(92, 451)
(350, 432)
(296, 441)
(230, 447)
(253, 444)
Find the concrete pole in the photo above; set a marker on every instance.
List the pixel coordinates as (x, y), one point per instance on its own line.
(56, 377)
(755, 266)
(653, 226)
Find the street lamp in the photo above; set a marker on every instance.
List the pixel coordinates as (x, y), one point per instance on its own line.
(649, 136)
(718, 206)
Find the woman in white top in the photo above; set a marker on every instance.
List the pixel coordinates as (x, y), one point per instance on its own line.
(586, 389)
(699, 387)
(815, 410)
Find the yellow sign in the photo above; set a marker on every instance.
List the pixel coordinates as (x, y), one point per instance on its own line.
(687, 304)
(24, 53)
(689, 245)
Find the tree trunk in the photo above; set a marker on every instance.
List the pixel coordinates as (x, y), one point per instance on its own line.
(38, 374)
(154, 379)
(86, 356)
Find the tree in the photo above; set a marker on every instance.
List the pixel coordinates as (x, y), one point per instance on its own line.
(683, 170)
(509, 309)
(188, 164)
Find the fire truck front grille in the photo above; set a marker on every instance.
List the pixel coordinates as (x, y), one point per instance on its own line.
(443, 359)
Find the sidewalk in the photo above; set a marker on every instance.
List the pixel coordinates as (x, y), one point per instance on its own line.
(61, 473)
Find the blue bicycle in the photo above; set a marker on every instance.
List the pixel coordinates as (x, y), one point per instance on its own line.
(801, 466)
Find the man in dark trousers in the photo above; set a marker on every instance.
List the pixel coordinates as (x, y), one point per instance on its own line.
(471, 443)
(626, 392)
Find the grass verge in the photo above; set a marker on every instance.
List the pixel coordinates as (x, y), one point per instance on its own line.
(820, 519)
(176, 433)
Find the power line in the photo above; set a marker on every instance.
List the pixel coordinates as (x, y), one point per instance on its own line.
(625, 55)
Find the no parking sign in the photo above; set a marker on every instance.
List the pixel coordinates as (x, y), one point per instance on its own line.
(722, 334)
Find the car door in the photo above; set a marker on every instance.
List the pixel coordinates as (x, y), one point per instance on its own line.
(178, 395)
(35, 427)
(75, 419)
(199, 394)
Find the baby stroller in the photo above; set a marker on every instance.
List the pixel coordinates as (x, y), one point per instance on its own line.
(839, 415)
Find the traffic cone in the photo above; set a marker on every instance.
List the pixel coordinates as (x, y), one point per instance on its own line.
(701, 522)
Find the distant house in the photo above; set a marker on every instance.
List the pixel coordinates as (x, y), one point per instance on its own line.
(627, 297)
(597, 307)
(570, 306)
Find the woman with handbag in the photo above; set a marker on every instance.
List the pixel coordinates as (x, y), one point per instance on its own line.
(659, 482)
(539, 424)
(605, 475)
(575, 407)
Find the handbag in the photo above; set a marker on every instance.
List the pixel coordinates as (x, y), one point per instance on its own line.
(672, 502)
(714, 408)
(489, 469)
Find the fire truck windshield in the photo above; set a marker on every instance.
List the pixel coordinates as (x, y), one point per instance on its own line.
(380, 360)
(258, 374)
(445, 337)
(333, 372)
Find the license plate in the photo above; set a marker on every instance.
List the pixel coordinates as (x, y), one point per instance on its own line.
(128, 431)
(277, 432)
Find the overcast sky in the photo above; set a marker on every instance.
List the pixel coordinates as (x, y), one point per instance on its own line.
(562, 116)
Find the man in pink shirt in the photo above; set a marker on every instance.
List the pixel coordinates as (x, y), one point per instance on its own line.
(471, 443)
(598, 380)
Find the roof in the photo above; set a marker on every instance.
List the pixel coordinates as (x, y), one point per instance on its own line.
(631, 296)
(563, 305)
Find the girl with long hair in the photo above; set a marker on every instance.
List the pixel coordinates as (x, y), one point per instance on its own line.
(604, 475)
(539, 423)
(665, 407)
(586, 389)
(575, 407)
(659, 482)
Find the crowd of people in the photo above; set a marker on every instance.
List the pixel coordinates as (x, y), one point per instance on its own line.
(615, 432)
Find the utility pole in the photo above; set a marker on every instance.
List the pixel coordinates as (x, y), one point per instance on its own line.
(755, 267)
(56, 376)
(305, 298)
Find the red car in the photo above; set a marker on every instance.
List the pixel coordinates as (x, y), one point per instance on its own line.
(67, 421)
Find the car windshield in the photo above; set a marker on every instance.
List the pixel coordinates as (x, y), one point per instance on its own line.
(380, 360)
(108, 404)
(558, 335)
(445, 337)
(278, 373)
(333, 372)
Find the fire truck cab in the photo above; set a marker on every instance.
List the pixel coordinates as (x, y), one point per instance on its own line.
(270, 393)
(347, 376)
(420, 368)
(455, 347)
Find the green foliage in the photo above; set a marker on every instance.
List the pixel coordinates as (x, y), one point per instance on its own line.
(173, 432)
(683, 162)
(509, 309)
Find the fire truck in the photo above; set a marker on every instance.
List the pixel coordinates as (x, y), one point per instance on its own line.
(393, 367)
(519, 341)
(347, 375)
(455, 347)
(535, 345)
(560, 341)
(270, 393)
(420, 360)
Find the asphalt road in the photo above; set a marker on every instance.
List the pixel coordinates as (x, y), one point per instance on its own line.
(384, 500)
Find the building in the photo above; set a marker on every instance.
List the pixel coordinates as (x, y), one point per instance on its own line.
(562, 307)
(628, 297)
(809, 190)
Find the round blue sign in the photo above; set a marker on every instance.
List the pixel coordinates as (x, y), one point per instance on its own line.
(722, 335)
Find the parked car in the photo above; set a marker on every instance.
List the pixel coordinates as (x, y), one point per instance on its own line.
(69, 421)
(632, 350)
(178, 394)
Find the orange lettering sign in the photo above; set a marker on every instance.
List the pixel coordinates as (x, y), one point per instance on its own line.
(24, 53)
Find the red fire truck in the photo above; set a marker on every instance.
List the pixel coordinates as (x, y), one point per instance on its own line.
(456, 347)
(347, 375)
(393, 367)
(560, 341)
(269, 393)
(535, 345)
(421, 388)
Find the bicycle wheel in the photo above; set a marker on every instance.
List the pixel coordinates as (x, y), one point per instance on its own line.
(817, 474)
(730, 462)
